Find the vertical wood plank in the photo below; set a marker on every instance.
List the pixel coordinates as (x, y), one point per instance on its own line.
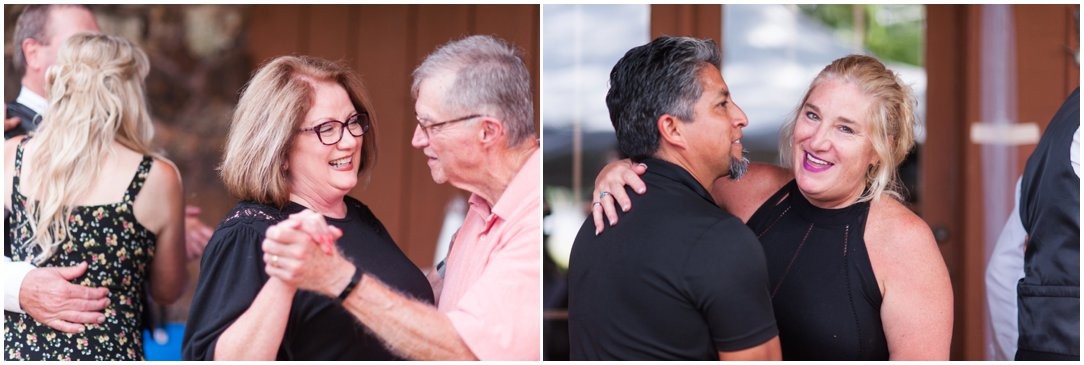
(972, 254)
(940, 177)
(699, 21)
(329, 32)
(274, 30)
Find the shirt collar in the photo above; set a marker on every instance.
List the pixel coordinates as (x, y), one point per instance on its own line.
(523, 187)
(32, 100)
(672, 171)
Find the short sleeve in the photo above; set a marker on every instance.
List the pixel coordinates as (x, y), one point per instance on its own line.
(231, 275)
(499, 316)
(727, 278)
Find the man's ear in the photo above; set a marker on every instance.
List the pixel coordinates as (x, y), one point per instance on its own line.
(31, 48)
(492, 130)
(671, 130)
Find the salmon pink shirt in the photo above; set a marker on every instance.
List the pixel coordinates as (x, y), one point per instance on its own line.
(492, 283)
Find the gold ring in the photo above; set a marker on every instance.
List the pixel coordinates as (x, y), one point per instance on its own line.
(274, 260)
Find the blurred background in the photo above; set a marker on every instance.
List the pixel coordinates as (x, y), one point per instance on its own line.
(201, 56)
(988, 79)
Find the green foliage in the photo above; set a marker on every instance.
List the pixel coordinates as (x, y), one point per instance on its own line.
(891, 32)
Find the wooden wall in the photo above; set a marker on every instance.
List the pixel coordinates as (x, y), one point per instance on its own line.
(699, 21)
(383, 44)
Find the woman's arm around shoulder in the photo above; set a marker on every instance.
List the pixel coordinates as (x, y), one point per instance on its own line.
(916, 309)
(742, 197)
(160, 207)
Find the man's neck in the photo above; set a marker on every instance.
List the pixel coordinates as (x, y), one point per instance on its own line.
(498, 174)
(705, 178)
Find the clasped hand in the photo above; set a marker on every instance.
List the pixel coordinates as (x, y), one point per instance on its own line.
(301, 252)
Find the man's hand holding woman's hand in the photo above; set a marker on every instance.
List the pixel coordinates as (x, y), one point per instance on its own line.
(301, 252)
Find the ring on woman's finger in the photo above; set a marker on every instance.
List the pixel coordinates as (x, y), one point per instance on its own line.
(274, 260)
(603, 194)
(595, 203)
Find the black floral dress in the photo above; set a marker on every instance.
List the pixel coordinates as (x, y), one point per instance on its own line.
(118, 250)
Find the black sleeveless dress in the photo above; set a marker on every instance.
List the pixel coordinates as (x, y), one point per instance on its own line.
(826, 300)
(118, 249)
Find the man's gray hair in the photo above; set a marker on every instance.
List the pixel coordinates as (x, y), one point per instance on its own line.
(490, 78)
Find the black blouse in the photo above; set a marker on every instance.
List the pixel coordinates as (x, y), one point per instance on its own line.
(319, 328)
(826, 300)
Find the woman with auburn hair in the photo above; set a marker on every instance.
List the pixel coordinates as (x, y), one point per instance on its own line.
(854, 274)
(302, 134)
(87, 190)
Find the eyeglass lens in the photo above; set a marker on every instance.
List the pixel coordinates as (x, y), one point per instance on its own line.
(331, 132)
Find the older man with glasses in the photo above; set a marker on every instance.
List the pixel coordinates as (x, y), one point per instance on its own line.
(475, 127)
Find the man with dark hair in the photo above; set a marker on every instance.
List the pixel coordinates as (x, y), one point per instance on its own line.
(681, 279)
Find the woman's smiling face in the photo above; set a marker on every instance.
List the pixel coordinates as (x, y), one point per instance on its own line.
(831, 147)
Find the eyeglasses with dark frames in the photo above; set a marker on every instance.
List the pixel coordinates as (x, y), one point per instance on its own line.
(427, 129)
(331, 132)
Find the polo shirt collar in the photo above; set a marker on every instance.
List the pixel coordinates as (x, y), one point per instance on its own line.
(671, 171)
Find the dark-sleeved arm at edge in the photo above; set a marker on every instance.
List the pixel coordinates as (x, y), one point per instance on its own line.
(231, 275)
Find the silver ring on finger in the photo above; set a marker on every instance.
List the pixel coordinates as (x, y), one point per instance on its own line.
(603, 194)
(596, 203)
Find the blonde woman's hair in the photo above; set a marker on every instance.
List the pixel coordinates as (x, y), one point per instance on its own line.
(96, 98)
(266, 120)
(891, 120)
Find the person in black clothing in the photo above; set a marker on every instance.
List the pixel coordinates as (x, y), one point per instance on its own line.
(682, 279)
(854, 274)
(300, 137)
(1049, 294)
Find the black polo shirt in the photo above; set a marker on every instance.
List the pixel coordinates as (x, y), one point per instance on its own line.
(677, 278)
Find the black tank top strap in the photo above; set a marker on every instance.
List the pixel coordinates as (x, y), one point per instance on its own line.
(18, 166)
(139, 179)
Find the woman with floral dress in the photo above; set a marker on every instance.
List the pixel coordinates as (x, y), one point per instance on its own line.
(86, 189)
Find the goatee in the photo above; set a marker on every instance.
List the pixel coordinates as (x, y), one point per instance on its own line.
(738, 166)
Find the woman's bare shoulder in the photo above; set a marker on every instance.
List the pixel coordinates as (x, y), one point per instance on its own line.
(899, 242)
(896, 222)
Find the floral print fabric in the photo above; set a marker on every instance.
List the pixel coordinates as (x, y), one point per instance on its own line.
(118, 250)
